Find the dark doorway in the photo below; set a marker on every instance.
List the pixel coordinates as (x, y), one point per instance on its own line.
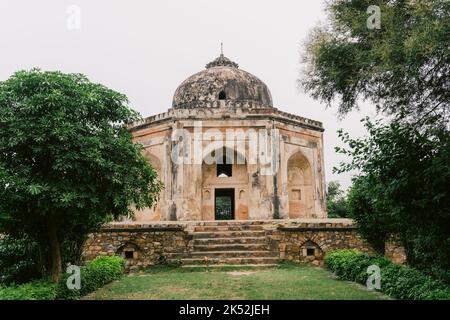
(224, 204)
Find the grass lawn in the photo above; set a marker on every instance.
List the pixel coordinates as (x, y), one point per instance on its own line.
(288, 281)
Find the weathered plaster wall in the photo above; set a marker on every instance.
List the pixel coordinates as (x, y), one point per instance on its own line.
(188, 194)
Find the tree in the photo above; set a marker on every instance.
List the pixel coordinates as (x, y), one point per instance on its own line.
(67, 161)
(370, 212)
(403, 189)
(403, 67)
(336, 201)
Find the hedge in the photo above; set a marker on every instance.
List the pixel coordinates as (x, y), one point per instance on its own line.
(35, 290)
(101, 271)
(94, 275)
(18, 256)
(397, 281)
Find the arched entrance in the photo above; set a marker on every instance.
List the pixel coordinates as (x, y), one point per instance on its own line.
(300, 187)
(224, 184)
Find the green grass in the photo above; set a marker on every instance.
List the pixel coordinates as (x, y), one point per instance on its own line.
(289, 281)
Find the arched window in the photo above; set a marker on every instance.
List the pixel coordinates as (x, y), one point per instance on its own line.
(222, 95)
(224, 166)
(130, 251)
(310, 251)
(224, 170)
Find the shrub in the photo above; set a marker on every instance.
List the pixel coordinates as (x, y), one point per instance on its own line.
(34, 290)
(402, 171)
(102, 270)
(96, 274)
(18, 258)
(397, 281)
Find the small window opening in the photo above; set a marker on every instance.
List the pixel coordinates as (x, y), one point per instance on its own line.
(224, 169)
(310, 251)
(222, 95)
(129, 254)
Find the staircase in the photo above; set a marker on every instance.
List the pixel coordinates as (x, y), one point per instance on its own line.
(228, 243)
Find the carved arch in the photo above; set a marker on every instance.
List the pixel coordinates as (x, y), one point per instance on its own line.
(300, 186)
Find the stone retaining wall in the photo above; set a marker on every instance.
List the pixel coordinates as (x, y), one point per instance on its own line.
(309, 242)
(140, 245)
(394, 251)
(143, 245)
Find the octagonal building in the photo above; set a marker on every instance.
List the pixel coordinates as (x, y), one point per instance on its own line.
(223, 152)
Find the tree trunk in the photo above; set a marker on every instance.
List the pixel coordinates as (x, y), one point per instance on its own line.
(43, 258)
(55, 251)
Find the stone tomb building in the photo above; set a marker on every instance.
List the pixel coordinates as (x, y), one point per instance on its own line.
(224, 152)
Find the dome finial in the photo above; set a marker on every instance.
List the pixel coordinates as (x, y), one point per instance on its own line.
(222, 61)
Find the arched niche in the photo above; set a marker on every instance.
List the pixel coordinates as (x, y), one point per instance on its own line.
(154, 161)
(131, 252)
(310, 251)
(300, 186)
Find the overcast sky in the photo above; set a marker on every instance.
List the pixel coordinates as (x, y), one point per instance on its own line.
(145, 49)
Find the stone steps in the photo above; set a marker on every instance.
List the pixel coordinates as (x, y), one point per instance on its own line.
(229, 261)
(222, 254)
(231, 241)
(231, 246)
(234, 266)
(225, 243)
(228, 234)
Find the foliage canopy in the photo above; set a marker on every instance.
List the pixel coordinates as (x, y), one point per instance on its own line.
(67, 160)
(403, 67)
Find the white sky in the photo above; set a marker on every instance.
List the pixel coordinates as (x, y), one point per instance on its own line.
(145, 49)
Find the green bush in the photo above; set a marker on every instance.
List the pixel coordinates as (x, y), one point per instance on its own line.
(397, 281)
(18, 260)
(102, 270)
(94, 275)
(34, 290)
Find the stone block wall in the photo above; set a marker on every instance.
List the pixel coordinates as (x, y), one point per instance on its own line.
(310, 241)
(144, 245)
(394, 251)
(141, 245)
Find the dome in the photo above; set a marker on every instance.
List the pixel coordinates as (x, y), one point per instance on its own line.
(222, 84)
